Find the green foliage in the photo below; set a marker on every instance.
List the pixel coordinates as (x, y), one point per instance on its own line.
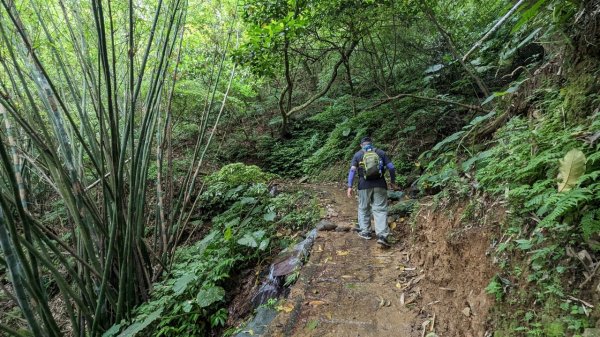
(287, 157)
(343, 141)
(236, 174)
(540, 167)
(193, 296)
(232, 182)
(495, 288)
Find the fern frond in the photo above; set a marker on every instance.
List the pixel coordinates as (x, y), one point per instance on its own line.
(552, 200)
(594, 157)
(590, 223)
(568, 203)
(592, 176)
(540, 199)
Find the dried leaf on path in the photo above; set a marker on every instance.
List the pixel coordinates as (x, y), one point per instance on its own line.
(287, 308)
(316, 303)
(342, 252)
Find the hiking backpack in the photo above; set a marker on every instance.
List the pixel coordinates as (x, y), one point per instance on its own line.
(372, 166)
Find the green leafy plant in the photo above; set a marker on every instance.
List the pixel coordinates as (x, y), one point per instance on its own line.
(194, 294)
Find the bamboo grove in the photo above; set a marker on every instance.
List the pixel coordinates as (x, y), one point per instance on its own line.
(85, 100)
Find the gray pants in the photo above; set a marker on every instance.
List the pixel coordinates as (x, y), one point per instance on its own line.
(373, 200)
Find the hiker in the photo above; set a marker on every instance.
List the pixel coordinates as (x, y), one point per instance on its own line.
(370, 164)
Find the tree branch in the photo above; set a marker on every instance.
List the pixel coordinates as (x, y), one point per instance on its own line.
(323, 91)
(491, 31)
(455, 52)
(438, 100)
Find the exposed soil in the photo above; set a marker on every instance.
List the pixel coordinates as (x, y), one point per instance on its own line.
(453, 253)
(432, 280)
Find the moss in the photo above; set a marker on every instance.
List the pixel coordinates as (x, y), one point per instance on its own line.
(580, 94)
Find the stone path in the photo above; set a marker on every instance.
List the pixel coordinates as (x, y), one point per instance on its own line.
(350, 286)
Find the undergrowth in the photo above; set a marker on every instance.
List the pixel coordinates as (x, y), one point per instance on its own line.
(546, 251)
(192, 298)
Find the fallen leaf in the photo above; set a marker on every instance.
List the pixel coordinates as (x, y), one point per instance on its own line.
(411, 299)
(398, 285)
(393, 225)
(287, 308)
(381, 302)
(342, 252)
(316, 303)
(329, 316)
(572, 166)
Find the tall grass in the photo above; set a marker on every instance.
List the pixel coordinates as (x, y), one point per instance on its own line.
(85, 94)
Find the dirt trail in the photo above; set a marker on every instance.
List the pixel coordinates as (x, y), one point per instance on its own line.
(431, 282)
(349, 286)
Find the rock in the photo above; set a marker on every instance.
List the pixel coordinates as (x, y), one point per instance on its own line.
(330, 212)
(325, 225)
(259, 324)
(467, 311)
(591, 332)
(343, 229)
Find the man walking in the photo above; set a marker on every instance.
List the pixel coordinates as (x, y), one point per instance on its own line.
(370, 165)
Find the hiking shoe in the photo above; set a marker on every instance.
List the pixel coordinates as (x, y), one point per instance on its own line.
(383, 241)
(366, 236)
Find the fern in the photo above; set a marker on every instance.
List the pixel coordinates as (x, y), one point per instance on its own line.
(539, 200)
(569, 202)
(538, 165)
(590, 223)
(594, 157)
(592, 176)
